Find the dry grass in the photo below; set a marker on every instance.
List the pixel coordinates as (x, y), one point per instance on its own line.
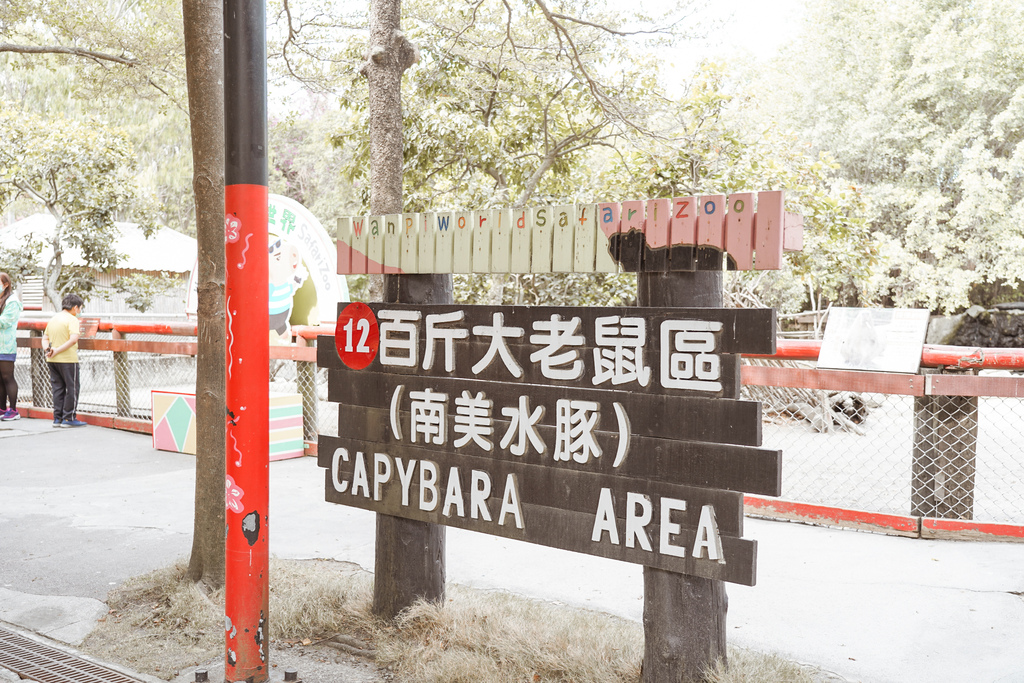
(162, 624)
(756, 667)
(316, 599)
(159, 623)
(483, 636)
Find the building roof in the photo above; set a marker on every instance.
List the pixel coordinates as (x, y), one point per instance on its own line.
(165, 250)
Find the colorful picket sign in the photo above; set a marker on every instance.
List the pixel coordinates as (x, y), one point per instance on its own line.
(654, 235)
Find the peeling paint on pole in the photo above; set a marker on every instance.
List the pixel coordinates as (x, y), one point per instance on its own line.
(248, 355)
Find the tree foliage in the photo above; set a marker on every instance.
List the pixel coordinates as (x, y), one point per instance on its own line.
(117, 45)
(82, 174)
(505, 100)
(304, 166)
(921, 103)
(116, 63)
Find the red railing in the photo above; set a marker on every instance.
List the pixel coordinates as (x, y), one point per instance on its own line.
(959, 379)
(932, 356)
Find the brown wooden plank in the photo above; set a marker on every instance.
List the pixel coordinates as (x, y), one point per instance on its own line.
(137, 346)
(688, 463)
(668, 417)
(973, 385)
(556, 528)
(539, 484)
(469, 353)
(745, 330)
(300, 353)
(834, 380)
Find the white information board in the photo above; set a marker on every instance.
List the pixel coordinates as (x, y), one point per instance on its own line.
(880, 339)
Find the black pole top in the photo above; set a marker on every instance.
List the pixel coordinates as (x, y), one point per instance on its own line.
(245, 92)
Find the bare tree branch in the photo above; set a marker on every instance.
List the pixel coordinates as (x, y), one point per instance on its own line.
(73, 51)
(612, 31)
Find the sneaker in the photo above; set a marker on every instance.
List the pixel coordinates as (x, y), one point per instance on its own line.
(9, 415)
(73, 423)
(58, 423)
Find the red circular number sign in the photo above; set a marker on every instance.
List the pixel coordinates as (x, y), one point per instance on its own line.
(357, 336)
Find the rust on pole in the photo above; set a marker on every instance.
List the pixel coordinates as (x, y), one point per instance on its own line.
(248, 354)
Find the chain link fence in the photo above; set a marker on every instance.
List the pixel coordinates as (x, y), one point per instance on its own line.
(957, 457)
(936, 456)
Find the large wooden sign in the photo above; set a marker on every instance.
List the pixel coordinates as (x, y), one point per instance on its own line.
(610, 431)
(654, 235)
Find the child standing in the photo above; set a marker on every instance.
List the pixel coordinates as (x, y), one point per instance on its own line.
(60, 342)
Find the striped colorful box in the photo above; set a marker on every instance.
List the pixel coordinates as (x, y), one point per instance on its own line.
(174, 424)
(285, 426)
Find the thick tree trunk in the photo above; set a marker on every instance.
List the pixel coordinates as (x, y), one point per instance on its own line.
(410, 561)
(204, 63)
(684, 616)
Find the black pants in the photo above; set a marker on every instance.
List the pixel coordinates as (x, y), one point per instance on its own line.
(8, 387)
(64, 380)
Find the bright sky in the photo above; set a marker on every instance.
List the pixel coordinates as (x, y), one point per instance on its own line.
(754, 27)
(747, 27)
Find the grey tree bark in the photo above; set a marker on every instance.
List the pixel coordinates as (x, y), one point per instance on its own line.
(684, 616)
(204, 64)
(410, 555)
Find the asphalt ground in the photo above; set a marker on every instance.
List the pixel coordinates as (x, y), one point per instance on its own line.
(81, 510)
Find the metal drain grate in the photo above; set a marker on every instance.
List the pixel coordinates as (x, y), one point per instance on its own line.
(46, 664)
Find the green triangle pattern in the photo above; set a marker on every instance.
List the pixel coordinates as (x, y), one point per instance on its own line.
(178, 417)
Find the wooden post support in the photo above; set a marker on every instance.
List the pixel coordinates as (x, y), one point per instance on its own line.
(410, 555)
(684, 616)
(122, 379)
(944, 456)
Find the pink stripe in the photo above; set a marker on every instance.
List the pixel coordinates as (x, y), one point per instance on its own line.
(283, 422)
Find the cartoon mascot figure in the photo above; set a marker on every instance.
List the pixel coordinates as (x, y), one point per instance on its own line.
(286, 276)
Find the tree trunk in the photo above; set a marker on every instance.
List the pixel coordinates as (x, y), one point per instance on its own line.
(684, 616)
(410, 562)
(204, 63)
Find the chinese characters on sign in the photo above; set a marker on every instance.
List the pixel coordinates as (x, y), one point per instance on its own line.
(615, 432)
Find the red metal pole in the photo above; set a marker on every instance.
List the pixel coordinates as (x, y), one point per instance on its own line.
(248, 352)
(932, 355)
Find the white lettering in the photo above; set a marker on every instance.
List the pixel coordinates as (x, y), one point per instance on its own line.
(707, 536)
(359, 478)
(510, 502)
(447, 335)
(381, 475)
(670, 528)
(405, 478)
(339, 455)
(478, 496)
(635, 523)
(428, 484)
(453, 494)
(604, 520)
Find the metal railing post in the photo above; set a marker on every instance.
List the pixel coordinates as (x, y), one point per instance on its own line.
(305, 378)
(42, 392)
(122, 378)
(945, 449)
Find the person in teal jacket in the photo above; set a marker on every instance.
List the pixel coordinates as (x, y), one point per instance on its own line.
(10, 311)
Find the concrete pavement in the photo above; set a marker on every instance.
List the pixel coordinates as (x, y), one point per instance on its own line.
(82, 510)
